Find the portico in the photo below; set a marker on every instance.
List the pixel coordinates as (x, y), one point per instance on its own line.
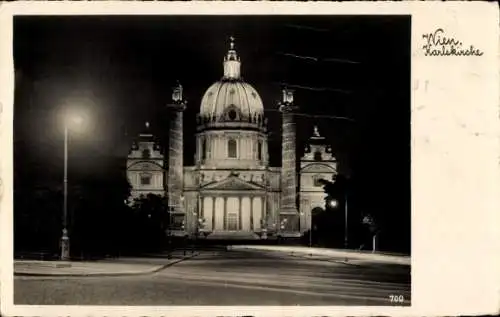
(232, 205)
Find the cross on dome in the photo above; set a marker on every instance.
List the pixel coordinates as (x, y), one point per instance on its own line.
(231, 45)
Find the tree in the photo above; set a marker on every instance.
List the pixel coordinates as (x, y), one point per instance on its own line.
(336, 192)
(99, 213)
(339, 197)
(151, 220)
(371, 228)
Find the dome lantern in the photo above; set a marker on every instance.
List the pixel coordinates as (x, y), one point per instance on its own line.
(232, 64)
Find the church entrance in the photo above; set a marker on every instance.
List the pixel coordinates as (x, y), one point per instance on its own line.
(232, 221)
(315, 232)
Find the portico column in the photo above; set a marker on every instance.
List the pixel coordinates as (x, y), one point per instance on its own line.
(251, 213)
(225, 213)
(213, 213)
(239, 214)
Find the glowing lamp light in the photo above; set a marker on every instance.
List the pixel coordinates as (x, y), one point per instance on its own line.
(77, 120)
(333, 203)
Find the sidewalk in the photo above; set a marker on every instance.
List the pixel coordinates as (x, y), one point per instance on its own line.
(123, 266)
(323, 252)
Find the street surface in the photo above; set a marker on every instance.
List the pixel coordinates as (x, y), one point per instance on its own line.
(219, 277)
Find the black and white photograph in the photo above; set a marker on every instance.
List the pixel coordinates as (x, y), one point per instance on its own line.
(218, 160)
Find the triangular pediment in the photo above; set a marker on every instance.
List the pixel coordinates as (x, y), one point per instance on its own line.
(232, 183)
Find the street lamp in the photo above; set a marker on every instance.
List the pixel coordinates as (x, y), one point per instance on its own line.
(310, 228)
(199, 225)
(333, 203)
(345, 222)
(263, 224)
(65, 243)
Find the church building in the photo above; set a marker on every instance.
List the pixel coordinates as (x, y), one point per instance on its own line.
(231, 191)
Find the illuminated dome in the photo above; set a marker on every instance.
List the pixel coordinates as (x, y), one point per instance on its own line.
(231, 99)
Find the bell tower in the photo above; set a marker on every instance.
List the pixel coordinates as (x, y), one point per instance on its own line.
(318, 162)
(145, 166)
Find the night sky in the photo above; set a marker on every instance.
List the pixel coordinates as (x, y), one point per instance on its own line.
(118, 72)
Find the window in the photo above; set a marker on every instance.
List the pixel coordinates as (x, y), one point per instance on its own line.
(232, 113)
(317, 156)
(259, 150)
(316, 179)
(231, 148)
(203, 149)
(146, 153)
(145, 179)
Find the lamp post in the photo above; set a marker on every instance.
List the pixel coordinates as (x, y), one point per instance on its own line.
(334, 204)
(310, 227)
(199, 225)
(264, 230)
(282, 229)
(346, 226)
(65, 237)
(310, 234)
(169, 232)
(65, 242)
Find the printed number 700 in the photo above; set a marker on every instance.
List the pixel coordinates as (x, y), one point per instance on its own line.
(397, 299)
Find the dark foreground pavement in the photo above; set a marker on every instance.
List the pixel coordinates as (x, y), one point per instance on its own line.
(230, 278)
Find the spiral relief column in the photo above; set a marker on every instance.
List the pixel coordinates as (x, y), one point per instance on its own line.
(288, 209)
(175, 159)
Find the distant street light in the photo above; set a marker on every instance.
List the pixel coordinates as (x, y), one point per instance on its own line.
(65, 243)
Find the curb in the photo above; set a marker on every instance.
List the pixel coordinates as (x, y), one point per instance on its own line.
(151, 271)
(307, 256)
(347, 255)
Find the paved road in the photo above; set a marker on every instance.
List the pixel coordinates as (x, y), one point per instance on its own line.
(229, 278)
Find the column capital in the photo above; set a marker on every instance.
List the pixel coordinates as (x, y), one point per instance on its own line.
(287, 107)
(177, 106)
(287, 104)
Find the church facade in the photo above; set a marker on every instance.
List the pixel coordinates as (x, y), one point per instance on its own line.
(231, 191)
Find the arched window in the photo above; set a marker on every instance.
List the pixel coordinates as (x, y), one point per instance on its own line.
(146, 153)
(231, 148)
(232, 114)
(259, 150)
